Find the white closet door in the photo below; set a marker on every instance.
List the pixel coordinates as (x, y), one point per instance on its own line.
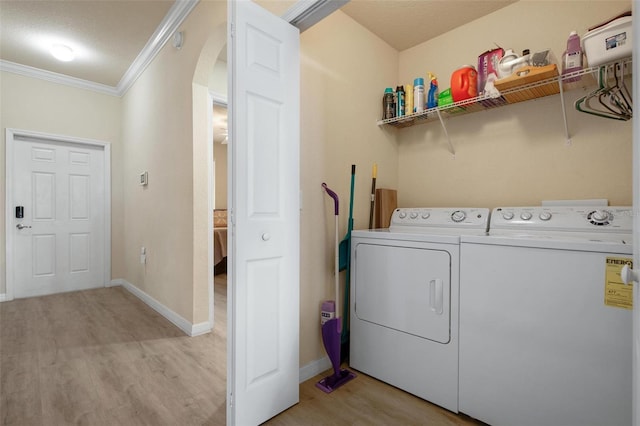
(263, 351)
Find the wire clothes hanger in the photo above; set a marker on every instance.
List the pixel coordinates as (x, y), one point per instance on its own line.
(613, 102)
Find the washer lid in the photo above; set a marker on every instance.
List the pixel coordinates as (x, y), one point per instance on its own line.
(593, 242)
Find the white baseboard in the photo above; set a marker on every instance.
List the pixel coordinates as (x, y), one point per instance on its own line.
(115, 283)
(183, 324)
(3, 297)
(306, 372)
(314, 368)
(201, 328)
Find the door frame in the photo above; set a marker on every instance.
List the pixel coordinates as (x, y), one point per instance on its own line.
(14, 136)
(213, 99)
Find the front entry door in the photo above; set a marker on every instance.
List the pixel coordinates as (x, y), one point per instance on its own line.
(264, 271)
(59, 243)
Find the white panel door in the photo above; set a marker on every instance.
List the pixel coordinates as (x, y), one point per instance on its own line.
(61, 244)
(264, 268)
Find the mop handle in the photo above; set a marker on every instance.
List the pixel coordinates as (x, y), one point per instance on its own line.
(332, 195)
(337, 254)
(337, 273)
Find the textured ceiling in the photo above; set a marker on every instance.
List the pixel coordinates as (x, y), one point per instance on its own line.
(407, 23)
(108, 35)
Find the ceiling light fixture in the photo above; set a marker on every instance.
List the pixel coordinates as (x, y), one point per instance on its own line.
(62, 52)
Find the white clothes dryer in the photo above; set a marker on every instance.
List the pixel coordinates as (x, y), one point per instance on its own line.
(404, 300)
(545, 321)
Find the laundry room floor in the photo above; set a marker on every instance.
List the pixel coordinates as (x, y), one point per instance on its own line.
(365, 401)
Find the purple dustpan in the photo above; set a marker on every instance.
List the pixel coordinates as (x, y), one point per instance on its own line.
(331, 331)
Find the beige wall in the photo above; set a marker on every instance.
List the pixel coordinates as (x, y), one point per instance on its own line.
(36, 105)
(218, 78)
(220, 157)
(514, 155)
(169, 216)
(218, 85)
(342, 68)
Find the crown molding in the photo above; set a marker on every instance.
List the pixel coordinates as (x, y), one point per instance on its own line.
(305, 13)
(218, 98)
(176, 15)
(174, 18)
(55, 77)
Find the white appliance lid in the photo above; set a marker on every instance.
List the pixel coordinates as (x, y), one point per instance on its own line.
(437, 236)
(603, 243)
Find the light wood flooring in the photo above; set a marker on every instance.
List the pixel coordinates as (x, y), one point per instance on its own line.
(102, 357)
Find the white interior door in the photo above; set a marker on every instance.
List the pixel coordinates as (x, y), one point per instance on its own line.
(59, 243)
(263, 273)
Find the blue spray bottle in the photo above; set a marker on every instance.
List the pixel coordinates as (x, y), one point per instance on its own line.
(432, 96)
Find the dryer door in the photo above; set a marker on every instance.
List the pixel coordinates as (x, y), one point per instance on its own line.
(407, 289)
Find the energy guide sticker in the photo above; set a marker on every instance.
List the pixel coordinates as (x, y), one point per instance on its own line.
(616, 293)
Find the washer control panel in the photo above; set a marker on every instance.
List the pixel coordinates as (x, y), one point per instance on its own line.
(423, 217)
(564, 218)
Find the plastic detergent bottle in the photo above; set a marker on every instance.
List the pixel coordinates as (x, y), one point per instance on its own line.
(408, 101)
(432, 97)
(418, 95)
(399, 101)
(572, 57)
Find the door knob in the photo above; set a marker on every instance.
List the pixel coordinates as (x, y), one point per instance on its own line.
(21, 226)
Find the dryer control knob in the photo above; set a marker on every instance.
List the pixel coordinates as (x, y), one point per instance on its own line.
(545, 216)
(426, 215)
(526, 215)
(507, 215)
(458, 216)
(599, 217)
(413, 215)
(402, 215)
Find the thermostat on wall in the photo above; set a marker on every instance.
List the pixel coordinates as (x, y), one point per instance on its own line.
(144, 178)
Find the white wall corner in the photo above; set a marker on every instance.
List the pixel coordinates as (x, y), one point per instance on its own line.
(200, 328)
(115, 283)
(183, 324)
(314, 368)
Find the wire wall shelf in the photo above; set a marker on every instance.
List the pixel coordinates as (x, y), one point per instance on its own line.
(587, 77)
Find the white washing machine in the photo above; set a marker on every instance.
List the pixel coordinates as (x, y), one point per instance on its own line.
(404, 300)
(545, 329)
